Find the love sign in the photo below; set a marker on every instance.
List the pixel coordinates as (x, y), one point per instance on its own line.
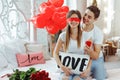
(76, 62)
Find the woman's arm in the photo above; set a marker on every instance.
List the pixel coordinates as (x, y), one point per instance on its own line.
(56, 51)
(56, 55)
(87, 71)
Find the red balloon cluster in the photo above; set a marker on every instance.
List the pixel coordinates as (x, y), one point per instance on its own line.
(52, 16)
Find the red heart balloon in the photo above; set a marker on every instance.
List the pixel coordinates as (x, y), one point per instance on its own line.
(51, 27)
(57, 3)
(39, 21)
(62, 9)
(43, 6)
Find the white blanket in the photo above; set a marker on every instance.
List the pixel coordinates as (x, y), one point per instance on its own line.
(51, 67)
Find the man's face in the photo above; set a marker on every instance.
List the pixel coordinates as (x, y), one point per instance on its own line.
(88, 17)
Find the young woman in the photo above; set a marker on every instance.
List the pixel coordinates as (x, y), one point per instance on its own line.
(71, 42)
(92, 31)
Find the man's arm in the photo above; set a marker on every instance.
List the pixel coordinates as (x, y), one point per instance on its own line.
(94, 53)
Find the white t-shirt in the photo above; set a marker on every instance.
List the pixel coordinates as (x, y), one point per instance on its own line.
(72, 48)
(96, 35)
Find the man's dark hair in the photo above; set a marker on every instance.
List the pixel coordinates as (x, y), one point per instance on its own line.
(95, 10)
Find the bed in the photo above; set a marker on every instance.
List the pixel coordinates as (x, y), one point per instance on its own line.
(51, 67)
(50, 64)
(21, 27)
(9, 61)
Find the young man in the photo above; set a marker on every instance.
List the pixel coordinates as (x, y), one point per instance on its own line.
(92, 32)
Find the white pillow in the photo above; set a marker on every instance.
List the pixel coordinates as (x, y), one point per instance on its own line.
(17, 44)
(3, 62)
(32, 47)
(11, 49)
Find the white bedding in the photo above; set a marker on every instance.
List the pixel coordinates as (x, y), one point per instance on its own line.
(51, 67)
(114, 74)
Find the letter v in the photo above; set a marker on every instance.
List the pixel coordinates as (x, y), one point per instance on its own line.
(74, 64)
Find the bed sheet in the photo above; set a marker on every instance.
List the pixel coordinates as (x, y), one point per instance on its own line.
(50, 66)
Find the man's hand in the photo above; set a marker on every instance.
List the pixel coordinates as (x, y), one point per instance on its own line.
(88, 44)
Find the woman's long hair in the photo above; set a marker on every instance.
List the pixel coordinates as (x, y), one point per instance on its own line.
(68, 31)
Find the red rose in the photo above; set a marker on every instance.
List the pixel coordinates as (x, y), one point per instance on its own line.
(46, 74)
(40, 75)
(88, 43)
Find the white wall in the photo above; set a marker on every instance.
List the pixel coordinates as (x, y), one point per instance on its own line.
(81, 5)
(113, 14)
(109, 17)
(116, 24)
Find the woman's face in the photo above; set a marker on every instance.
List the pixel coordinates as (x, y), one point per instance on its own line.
(88, 18)
(73, 21)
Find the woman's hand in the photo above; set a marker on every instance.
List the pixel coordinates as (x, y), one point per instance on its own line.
(85, 73)
(66, 70)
